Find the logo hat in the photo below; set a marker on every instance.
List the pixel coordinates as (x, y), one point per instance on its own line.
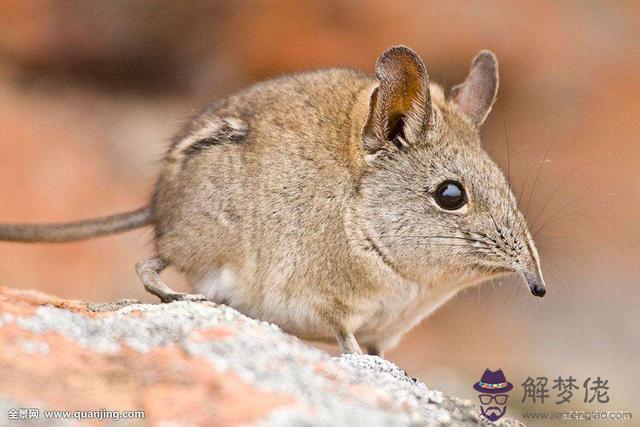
(493, 382)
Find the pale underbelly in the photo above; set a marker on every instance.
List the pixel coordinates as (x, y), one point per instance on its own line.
(384, 319)
(396, 317)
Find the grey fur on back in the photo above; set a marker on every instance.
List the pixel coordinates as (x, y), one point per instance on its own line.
(284, 181)
(318, 202)
(273, 202)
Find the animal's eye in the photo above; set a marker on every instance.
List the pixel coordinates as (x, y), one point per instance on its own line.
(450, 195)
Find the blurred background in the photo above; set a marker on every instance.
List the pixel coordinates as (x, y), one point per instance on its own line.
(91, 92)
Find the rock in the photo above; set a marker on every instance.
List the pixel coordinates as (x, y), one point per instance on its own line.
(190, 363)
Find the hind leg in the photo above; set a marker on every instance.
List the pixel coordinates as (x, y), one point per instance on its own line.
(375, 350)
(149, 273)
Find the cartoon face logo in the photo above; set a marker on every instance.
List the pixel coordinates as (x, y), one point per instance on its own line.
(493, 388)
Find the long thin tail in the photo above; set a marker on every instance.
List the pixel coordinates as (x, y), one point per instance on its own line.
(79, 230)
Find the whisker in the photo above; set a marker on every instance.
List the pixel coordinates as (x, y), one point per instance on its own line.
(448, 227)
(432, 237)
(495, 224)
(439, 244)
(558, 218)
(566, 205)
(535, 181)
(561, 237)
(541, 164)
(564, 181)
(526, 179)
(506, 138)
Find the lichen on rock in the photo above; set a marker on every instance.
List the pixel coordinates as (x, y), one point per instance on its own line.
(198, 364)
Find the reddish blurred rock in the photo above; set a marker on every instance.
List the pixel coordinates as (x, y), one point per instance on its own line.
(132, 46)
(196, 364)
(91, 91)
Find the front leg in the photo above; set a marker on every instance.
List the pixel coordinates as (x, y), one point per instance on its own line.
(347, 342)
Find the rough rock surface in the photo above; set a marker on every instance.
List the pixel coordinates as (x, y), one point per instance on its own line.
(196, 364)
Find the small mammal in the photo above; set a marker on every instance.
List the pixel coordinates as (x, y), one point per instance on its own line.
(334, 204)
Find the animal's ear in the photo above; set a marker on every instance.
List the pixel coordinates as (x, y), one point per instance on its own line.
(400, 107)
(476, 95)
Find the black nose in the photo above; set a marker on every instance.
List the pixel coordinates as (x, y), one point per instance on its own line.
(538, 290)
(536, 283)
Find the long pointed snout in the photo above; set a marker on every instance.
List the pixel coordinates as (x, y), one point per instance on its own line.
(535, 281)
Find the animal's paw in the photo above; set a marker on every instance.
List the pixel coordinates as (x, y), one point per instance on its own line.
(181, 296)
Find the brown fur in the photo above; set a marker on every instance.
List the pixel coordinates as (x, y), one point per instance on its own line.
(300, 215)
(307, 201)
